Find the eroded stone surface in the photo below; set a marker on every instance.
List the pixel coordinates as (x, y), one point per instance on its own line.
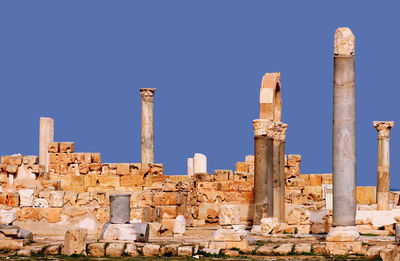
(343, 234)
(179, 226)
(268, 224)
(75, 242)
(229, 215)
(344, 41)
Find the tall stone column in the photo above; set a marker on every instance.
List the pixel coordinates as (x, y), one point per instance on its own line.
(344, 139)
(147, 125)
(263, 171)
(46, 135)
(276, 158)
(383, 128)
(282, 174)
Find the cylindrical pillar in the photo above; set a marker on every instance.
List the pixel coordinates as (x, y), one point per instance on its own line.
(263, 171)
(344, 130)
(282, 175)
(383, 128)
(147, 125)
(46, 135)
(120, 208)
(276, 158)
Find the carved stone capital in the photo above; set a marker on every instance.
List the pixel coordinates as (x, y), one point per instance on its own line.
(283, 131)
(264, 127)
(383, 128)
(277, 130)
(147, 94)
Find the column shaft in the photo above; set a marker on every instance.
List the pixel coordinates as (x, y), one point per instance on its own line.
(147, 125)
(263, 178)
(282, 177)
(276, 176)
(383, 173)
(344, 142)
(46, 135)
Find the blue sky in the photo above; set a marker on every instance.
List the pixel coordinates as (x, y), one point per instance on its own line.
(83, 62)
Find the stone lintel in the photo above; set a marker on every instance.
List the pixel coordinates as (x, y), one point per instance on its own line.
(344, 42)
(147, 94)
(383, 128)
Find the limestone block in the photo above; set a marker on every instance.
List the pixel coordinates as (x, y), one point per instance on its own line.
(30, 160)
(96, 249)
(109, 181)
(77, 180)
(241, 167)
(40, 203)
(91, 180)
(54, 147)
(265, 249)
(283, 249)
(151, 250)
(123, 169)
(280, 228)
(168, 212)
(15, 159)
(66, 147)
(75, 242)
(348, 234)
(302, 248)
(131, 250)
(313, 193)
(84, 168)
(24, 214)
(165, 198)
(115, 249)
(225, 235)
(53, 215)
(7, 216)
(95, 167)
(366, 195)
(344, 248)
(52, 250)
(73, 212)
(169, 250)
(179, 225)
(132, 180)
(56, 199)
(185, 251)
(70, 197)
(26, 197)
(374, 251)
(326, 178)
(294, 160)
(213, 251)
(303, 229)
(268, 224)
(315, 180)
(199, 163)
(229, 214)
(344, 42)
(10, 199)
(96, 157)
(223, 175)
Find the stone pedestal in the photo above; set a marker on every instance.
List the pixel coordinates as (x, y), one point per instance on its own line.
(263, 169)
(46, 135)
(125, 232)
(383, 128)
(147, 125)
(120, 208)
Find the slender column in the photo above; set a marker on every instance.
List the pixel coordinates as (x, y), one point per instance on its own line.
(383, 128)
(276, 158)
(263, 172)
(46, 135)
(147, 125)
(282, 179)
(344, 130)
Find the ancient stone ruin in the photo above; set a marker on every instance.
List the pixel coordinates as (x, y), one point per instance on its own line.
(263, 206)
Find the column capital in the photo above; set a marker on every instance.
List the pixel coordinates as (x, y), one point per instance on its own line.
(277, 130)
(283, 132)
(263, 127)
(383, 128)
(147, 94)
(344, 42)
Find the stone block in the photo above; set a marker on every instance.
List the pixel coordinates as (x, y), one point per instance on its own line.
(303, 229)
(302, 248)
(15, 159)
(30, 160)
(179, 225)
(96, 249)
(283, 249)
(109, 181)
(54, 169)
(66, 147)
(12, 169)
(294, 160)
(91, 180)
(225, 235)
(123, 169)
(201, 177)
(222, 175)
(5, 160)
(229, 214)
(165, 198)
(315, 180)
(53, 215)
(54, 147)
(96, 157)
(7, 216)
(168, 212)
(151, 250)
(326, 178)
(70, 197)
(95, 167)
(26, 197)
(131, 250)
(268, 224)
(185, 251)
(132, 180)
(56, 199)
(344, 248)
(25, 214)
(75, 242)
(241, 167)
(77, 180)
(10, 199)
(83, 168)
(265, 249)
(366, 195)
(52, 250)
(313, 193)
(343, 234)
(151, 179)
(40, 203)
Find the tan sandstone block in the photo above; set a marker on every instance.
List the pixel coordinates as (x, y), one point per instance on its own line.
(165, 198)
(54, 169)
(30, 160)
(123, 169)
(150, 179)
(54, 147)
(326, 178)
(96, 157)
(5, 159)
(10, 199)
(222, 175)
(241, 167)
(15, 160)
(77, 180)
(109, 181)
(84, 168)
(294, 160)
(169, 212)
(25, 214)
(366, 195)
(95, 166)
(12, 168)
(315, 179)
(66, 147)
(313, 192)
(91, 180)
(53, 215)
